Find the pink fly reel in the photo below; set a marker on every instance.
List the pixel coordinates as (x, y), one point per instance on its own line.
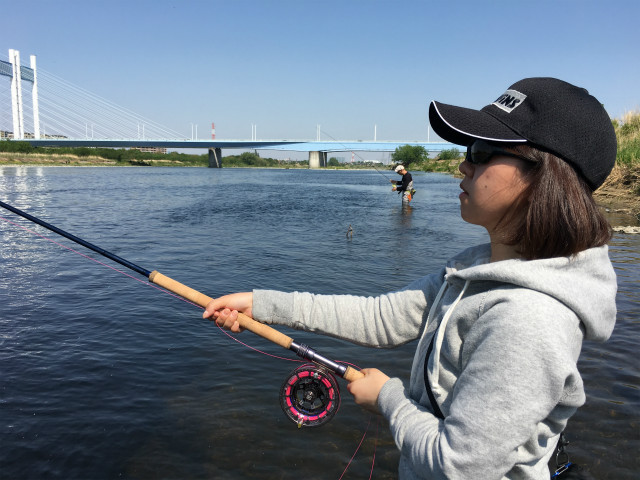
(310, 396)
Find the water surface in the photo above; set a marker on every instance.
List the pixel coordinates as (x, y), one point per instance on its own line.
(103, 376)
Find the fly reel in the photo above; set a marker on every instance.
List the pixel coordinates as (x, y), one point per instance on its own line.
(310, 396)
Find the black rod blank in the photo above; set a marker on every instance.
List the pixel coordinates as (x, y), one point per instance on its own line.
(80, 241)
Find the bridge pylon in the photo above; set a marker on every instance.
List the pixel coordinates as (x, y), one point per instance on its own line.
(215, 158)
(317, 159)
(18, 73)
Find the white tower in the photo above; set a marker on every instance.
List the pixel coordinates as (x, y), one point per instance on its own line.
(16, 95)
(34, 99)
(19, 73)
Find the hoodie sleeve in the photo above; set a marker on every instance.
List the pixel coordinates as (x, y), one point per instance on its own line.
(385, 321)
(517, 385)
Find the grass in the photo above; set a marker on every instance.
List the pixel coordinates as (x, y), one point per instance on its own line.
(621, 190)
(628, 134)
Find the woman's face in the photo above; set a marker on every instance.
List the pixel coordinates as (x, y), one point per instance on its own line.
(490, 189)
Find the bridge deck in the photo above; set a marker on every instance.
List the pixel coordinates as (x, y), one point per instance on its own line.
(293, 145)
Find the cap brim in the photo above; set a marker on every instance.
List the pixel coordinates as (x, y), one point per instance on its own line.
(463, 126)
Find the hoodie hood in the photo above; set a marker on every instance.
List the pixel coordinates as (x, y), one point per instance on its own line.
(570, 280)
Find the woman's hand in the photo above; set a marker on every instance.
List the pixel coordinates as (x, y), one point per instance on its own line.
(366, 390)
(224, 310)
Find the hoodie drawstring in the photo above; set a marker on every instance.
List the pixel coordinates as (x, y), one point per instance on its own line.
(434, 373)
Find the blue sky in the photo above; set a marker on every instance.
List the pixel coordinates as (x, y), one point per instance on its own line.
(349, 65)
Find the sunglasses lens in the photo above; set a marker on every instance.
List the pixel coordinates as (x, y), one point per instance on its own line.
(479, 152)
(468, 156)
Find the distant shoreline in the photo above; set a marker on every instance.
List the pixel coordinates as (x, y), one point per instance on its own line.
(614, 196)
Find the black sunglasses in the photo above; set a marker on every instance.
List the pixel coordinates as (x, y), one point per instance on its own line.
(480, 152)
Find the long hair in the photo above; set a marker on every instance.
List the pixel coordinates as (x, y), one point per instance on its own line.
(556, 215)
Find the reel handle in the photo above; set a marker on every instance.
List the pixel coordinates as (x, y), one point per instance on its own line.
(246, 322)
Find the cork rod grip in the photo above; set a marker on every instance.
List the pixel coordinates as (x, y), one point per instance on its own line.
(203, 300)
(352, 374)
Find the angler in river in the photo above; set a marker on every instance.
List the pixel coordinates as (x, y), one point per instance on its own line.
(405, 185)
(494, 379)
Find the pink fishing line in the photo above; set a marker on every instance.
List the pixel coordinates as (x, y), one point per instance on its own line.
(143, 282)
(219, 328)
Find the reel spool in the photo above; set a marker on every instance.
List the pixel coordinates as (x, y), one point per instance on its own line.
(310, 396)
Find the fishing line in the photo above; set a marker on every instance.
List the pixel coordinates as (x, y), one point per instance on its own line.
(375, 446)
(313, 395)
(357, 449)
(322, 371)
(104, 252)
(162, 290)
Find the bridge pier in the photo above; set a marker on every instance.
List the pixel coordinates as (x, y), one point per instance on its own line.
(317, 159)
(215, 158)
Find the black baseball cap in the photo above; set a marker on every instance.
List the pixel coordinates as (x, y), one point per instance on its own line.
(546, 112)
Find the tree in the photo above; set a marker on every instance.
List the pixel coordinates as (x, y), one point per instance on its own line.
(15, 146)
(408, 154)
(450, 154)
(333, 162)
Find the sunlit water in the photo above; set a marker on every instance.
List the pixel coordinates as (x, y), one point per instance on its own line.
(103, 376)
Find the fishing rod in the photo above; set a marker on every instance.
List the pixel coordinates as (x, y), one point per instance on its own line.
(309, 396)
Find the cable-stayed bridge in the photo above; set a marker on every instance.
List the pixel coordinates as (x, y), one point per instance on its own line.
(44, 110)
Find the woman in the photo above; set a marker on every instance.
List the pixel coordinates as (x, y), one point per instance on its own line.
(500, 327)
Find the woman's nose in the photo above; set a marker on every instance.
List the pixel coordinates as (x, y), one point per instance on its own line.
(465, 168)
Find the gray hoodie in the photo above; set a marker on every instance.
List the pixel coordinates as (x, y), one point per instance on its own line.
(503, 363)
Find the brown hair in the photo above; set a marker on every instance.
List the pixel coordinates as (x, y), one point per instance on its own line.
(556, 215)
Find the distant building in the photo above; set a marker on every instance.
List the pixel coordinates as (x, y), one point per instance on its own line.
(4, 134)
(150, 149)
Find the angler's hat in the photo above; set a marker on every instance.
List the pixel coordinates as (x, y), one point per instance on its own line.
(399, 168)
(546, 112)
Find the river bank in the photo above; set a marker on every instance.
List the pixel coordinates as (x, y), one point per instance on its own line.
(618, 195)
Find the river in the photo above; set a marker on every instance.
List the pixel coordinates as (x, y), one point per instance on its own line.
(103, 376)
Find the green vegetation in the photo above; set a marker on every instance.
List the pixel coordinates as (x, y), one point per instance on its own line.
(628, 133)
(409, 155)
(416, 158)
(625, 178)
(252, 159)
(23, 152)
(450, 154)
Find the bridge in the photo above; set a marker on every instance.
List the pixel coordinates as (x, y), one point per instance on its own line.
(62, 114)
